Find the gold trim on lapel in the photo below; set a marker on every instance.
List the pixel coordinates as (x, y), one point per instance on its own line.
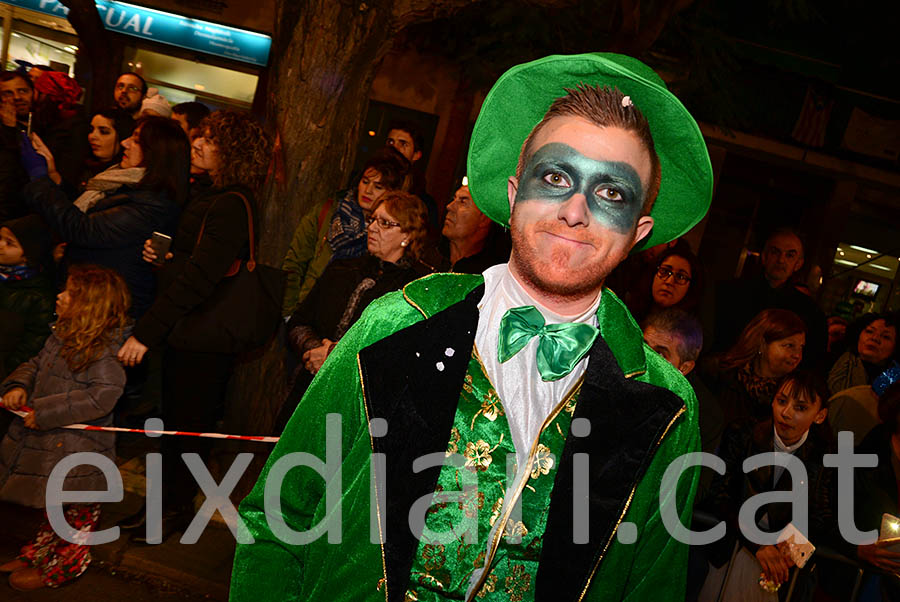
(627, 505)
(362, 384)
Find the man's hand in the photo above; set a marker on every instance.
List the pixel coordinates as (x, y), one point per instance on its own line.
(15, 398)
(31, 421)
(775, 565)
(8, 113)
(132, 352)
(149, 254)
(314, 358)
(879, 555)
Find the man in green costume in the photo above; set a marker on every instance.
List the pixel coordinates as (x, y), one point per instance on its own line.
(505, 436)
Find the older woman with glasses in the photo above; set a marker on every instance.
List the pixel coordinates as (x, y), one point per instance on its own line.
(397, 229)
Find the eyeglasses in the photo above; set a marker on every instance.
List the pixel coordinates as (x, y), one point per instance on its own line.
(128, 87)
(384, 224)
(680, 277)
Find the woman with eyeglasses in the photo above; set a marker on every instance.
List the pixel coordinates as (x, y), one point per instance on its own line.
(397, 231)
(677, 282)
(336, 228)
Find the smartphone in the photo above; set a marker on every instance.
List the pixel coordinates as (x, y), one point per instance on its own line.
(890, 532)
(161, 244)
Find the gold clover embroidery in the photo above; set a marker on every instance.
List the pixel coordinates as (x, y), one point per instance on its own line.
(478, 454)
(489, 587)
(515, 529)
(433, 557)
(495, 511)
(471, 504)
(517, 583)
(491, 407)
(542, 462)
(453, 445)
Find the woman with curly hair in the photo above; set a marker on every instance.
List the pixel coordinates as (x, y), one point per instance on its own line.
(397, 231)
(76, 378)
(211, 241)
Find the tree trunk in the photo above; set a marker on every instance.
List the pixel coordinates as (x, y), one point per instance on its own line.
(100, 53)
(325, 54)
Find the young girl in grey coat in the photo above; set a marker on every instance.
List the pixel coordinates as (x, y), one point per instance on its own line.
(76, 378)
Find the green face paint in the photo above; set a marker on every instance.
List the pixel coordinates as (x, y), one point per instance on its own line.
(613, 189)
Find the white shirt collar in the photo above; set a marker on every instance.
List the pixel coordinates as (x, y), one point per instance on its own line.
(788, 449)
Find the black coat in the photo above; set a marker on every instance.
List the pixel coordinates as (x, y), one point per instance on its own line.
(736, 403)
(739, 301)
(331, 306)
(12, 175)
(26, 311)
(729, 491)
(197, 267)
(111, 233)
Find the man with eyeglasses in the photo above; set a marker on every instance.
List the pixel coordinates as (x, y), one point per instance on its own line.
(505, 434)
(129, 93)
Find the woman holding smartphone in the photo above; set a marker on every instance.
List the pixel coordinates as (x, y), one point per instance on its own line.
(111, 231)
(211, 241)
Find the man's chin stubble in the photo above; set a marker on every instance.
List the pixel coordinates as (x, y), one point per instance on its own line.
(526, 269)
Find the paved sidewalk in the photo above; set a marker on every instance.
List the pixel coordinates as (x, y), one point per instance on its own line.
(200, 571)
(123, 570)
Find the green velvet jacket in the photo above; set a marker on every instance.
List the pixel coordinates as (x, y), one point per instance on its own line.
(643, 417)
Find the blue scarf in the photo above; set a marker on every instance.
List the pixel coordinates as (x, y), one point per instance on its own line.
(347, 234)
(17, 272)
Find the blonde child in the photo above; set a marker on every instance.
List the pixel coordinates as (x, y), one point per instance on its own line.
(76, 378)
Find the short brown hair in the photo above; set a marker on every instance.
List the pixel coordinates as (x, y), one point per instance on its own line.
(393, 167)
(244, 148)
(410, 211)
(602, 106)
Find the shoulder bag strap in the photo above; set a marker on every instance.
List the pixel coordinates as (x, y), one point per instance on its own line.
(251, 263)
(325, 209)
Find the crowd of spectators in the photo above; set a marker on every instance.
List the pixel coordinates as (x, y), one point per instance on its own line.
(84, 196)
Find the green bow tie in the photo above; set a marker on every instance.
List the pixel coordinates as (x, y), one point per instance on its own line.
(561, 346)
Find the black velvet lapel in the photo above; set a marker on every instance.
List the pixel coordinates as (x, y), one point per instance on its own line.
(413, 379)
(627, 420)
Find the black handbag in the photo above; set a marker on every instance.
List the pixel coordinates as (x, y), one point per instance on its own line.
(244, 311)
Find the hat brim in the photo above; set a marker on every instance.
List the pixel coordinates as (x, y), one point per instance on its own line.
(521, 97)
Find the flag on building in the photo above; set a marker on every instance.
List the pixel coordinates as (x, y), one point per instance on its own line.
(873, 136)
(813, 120)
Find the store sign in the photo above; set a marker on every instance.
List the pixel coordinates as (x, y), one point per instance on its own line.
(169, 28)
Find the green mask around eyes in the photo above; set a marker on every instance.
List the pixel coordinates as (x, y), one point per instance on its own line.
(613, 189)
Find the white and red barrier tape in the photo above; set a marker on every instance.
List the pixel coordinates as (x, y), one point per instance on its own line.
(115, 429)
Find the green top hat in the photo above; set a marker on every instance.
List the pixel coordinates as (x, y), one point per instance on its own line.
(521, 97)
